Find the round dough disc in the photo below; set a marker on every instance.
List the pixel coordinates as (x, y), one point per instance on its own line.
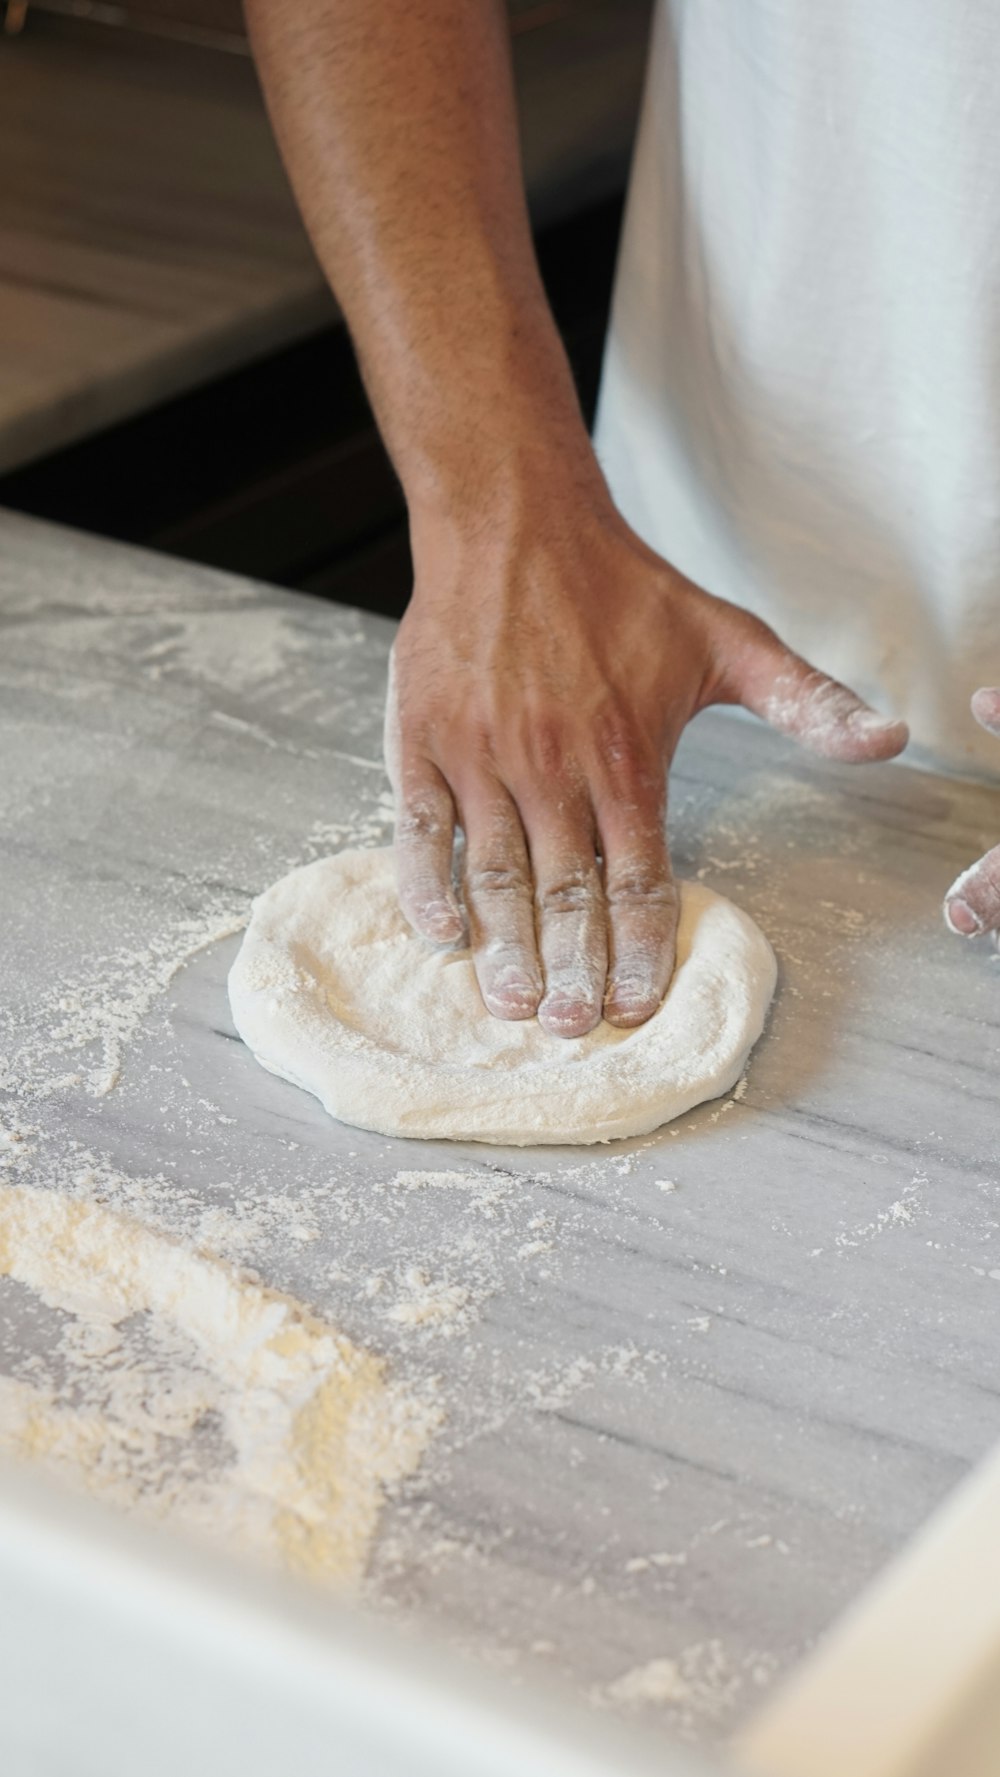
(332, 990)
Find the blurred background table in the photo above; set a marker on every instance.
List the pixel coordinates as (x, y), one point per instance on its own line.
(173, 370)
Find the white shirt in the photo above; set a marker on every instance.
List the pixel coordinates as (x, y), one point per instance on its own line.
(800, 405)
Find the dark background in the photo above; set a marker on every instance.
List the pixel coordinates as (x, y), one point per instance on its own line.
(276, 469)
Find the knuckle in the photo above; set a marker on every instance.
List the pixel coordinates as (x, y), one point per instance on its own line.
(419, 821)
(616, 740)
(574, 891)
(632, 776)
(502, 954)
(642, 884)
(471, 742)
(547, 751)
(490, 880)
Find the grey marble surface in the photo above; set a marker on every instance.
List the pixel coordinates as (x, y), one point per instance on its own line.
(148, 237)
(682, 1424)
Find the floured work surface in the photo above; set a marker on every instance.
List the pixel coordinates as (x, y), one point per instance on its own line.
(670, 1403)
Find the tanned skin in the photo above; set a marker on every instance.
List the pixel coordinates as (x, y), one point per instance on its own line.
(548, 660)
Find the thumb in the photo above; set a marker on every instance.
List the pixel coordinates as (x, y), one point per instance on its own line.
(818, 712)
(986, 709)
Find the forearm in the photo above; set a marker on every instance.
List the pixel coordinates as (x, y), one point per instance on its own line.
(397, 123)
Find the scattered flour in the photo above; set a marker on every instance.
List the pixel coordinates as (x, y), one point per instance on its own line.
(429, 1304)
(642, 1563)
(899, 1214)
(448, 1180)
(700, 1684)
(87, 1024)
(370, 826)
(209, 647)
(658, 1681)
(139, 1399)
(291, 1433)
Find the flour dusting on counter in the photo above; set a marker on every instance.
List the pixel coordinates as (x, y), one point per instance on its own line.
(176, 1386)
(664, 1516)
(86, 1024)
(700, 1682)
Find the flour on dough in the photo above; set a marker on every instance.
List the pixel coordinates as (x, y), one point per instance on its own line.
(333, 991)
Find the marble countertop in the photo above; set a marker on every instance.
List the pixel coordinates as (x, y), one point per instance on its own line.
(148, 237)
(702, 1384)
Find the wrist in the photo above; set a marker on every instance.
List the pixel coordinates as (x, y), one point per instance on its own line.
(502, 464)
(497, 410)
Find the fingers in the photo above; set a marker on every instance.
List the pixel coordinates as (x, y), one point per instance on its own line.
(570, 917)
(499, 903)
(986, 709)
(827, 718)
(972, 904)
(642, 911)
(818, 712)
(424, 839)
(424, 834)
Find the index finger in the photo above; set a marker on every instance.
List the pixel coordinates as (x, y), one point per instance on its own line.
(424, 836)
(424, 840)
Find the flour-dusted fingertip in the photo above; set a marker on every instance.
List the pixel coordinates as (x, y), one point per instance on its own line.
(960, 919)
(510, 990)
(862, 737)
(827, 718)
(510, 1005)
(631, 999)
(885, 734)
(568, 1017)
(627, 1014)
(440, 921)
(960, 916)
(985, 706)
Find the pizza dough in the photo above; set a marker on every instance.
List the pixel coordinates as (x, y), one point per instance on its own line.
(333, 991)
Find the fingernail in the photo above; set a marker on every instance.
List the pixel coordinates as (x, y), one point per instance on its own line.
(624, 1002)
(515, 999)
(869, 725)
(629, 1011)
(960, 917)
(870, 720)
(568, 1017)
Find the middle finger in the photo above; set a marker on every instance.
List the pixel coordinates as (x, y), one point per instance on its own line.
(496, 879)
(571, 918)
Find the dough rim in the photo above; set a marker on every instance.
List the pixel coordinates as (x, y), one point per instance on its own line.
(731, 983)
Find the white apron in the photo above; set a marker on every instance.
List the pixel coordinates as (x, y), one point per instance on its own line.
(800, 405)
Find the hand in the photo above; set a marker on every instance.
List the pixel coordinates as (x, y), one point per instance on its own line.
(543, 674)
(972, 904)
